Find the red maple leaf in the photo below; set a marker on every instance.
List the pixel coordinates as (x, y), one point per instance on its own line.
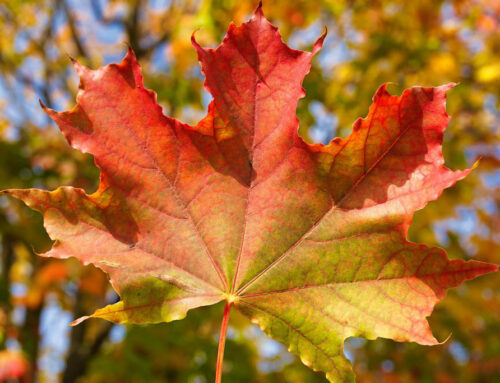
(308, 241)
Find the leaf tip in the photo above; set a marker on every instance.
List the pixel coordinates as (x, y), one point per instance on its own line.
(450, 85)
(130, 53)
(80, 69)
(445, 340)
(11, 192)
(42, 105)
(319, 42)
(193, 38)
(258, 13)
(476, 164)
(194, 43)
(73, 60)
(76, 322)
(381, 92)
(493, 268)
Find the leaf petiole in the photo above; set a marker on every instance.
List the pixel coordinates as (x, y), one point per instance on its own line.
(222, 342)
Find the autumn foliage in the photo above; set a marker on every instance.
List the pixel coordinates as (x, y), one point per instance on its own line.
(309, 241)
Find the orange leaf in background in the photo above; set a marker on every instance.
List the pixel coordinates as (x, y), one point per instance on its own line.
(308, 241)
(94, 281)
(49, 274)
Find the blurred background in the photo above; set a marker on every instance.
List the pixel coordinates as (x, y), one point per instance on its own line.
(425, 42)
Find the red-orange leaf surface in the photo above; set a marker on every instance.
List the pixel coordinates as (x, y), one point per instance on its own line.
(309, 241)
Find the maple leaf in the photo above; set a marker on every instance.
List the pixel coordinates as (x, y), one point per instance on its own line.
(308, 241)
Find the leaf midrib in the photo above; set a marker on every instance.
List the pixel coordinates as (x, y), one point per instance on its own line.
(251, 159)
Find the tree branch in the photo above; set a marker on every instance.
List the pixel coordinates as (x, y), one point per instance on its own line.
(74, 31)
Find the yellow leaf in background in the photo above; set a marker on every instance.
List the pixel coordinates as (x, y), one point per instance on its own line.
(443, 64)
(488, 73)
